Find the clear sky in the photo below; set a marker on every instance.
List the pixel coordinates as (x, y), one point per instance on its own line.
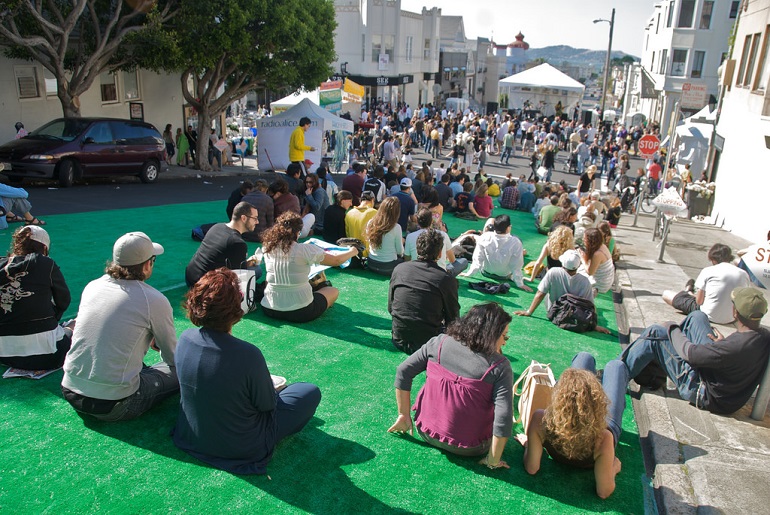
(549, 22)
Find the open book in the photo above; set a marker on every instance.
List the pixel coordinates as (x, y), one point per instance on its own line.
(31, 374)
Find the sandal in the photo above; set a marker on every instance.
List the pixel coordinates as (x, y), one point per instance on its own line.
(13, 219)
(35, 221)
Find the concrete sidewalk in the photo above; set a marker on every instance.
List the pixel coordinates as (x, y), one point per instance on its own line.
(699, 462)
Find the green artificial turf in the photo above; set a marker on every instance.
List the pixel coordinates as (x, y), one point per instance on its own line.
(54, 461)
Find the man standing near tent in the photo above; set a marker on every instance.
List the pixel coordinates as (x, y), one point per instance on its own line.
(297, 145)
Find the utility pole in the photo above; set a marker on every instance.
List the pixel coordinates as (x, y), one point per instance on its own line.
(611, 21)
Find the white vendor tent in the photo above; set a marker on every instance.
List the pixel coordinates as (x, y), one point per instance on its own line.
(279, 106)
(544, 84)
(274, 133)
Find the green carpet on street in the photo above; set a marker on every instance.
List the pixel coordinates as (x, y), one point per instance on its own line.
(54, 461)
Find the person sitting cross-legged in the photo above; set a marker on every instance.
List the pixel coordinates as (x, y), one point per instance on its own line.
(423, 297)
(446, 259)
(466, 404)
(230, 415)
(715, 373)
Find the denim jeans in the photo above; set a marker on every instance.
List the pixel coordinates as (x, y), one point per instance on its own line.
(428, 145)
(614, 384)
(506, 154)
(458, 267)
(295, 406)
(654, 345)
(156, 383)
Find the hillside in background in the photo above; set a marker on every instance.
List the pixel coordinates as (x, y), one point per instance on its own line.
(555, 55)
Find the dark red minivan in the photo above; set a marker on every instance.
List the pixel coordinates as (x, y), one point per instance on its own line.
(67, 149)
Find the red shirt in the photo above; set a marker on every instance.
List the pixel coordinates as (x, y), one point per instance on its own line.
(655, 171)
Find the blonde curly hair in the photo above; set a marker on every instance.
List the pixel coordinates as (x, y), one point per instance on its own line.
(576, 418)
(559, 241)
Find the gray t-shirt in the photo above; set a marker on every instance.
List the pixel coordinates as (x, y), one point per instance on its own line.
(460, 360)
(557, 282)
(117, 321)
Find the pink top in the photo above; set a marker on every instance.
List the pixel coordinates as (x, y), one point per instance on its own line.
(483, 206)
(453, 409)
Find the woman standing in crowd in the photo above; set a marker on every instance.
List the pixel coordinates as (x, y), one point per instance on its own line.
(578, 428)
(182, 148)
(34, 297)
(288, 294)
(168, 139)
(597, 261)
(230, 415)
(386, 246)
(465, 406)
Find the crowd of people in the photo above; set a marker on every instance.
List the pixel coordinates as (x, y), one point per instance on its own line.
(391, 220)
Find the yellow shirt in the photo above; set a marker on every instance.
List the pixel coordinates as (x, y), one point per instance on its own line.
(297, 145)
(355, 224)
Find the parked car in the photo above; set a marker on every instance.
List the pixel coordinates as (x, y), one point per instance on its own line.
(68, 149)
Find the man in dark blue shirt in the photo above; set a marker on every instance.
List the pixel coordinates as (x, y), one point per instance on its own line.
(408, 203)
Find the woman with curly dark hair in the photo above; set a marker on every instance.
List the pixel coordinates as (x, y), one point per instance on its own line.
(597, 261)
(582, 425)
(33, 297)
(288, 294)
(465, 406)
(230, 415)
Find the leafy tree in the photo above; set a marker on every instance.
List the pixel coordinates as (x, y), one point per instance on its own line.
(226, 48)
(77, 40)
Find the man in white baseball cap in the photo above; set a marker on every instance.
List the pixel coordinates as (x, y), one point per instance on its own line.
(120, 318)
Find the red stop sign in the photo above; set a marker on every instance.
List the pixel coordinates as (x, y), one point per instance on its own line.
(648, 145)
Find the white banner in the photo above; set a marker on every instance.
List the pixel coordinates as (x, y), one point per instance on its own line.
(670, 203)
(757, 259)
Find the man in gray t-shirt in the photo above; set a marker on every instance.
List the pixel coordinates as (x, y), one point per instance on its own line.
(120, 318)
(558, 281)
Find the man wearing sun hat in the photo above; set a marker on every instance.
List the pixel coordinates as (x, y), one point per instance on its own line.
(713, 372)
(120, 318)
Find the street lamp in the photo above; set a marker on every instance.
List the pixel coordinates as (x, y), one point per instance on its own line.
(611, 21)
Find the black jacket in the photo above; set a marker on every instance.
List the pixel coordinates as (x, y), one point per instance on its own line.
(33, 295)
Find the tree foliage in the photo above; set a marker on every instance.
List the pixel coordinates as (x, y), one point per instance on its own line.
(229, 47)
(77, 40)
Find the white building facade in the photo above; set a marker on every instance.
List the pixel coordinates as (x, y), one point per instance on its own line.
(28, 95)
(393, 53)
(685, 41)
(741, 148)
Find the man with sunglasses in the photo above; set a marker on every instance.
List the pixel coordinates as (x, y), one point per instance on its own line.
(223, 246)
(119, 319)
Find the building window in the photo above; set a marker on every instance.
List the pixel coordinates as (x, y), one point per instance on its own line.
(376, 47)
(426, 50)
(131, 85)
(363, 47)
(670, 13)
(390, 42)
(652, 63)
(109, 87)
(26, 81)
(752, 60)
(763, 72)
(409, 40)
(678, 62)
(705, 15)
(51, 86)
(663, 61)
(657, 24)
(744, 60)
(734, 9)
(686, 10)
(698, 57)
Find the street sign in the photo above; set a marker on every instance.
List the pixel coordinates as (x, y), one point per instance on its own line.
(694, 96)
(648, 145)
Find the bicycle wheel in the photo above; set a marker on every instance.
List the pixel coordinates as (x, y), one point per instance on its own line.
(647, 205)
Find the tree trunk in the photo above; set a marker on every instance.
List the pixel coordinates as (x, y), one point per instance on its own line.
(202, 147)
(70, 104)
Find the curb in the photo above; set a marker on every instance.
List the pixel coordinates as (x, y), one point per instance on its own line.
(673, 488)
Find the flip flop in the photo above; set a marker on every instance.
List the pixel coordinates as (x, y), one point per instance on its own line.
(35, 221)
(14, 219)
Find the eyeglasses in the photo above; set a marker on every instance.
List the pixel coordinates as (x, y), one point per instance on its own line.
(152, 260)
(252, 217)
(506, 337)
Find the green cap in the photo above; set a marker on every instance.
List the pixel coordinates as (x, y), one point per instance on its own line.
(749, 303)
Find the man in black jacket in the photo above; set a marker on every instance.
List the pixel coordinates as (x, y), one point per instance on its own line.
(713, 372)
(423, 297)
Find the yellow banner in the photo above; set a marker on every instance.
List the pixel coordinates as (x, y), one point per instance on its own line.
(353, 88)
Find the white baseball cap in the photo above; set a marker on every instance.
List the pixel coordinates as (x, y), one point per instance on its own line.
(134, 248)
(570, 260)
(40, 235)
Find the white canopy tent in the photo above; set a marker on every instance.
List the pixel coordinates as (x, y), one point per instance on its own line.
(543, 87)
(280, 106)
(693, 135)
(274, 133)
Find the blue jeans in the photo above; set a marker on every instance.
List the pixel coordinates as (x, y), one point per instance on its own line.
(428, 145)
(295, 406)
(506, 154)
(458, 267)
(614, 384)
(654, 345)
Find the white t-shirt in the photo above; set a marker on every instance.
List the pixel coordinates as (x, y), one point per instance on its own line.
(557, 282)
(392, 246)
(718, 282)
(411, 247)
(287, 277)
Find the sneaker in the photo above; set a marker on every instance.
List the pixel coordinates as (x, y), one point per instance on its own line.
(690, 285)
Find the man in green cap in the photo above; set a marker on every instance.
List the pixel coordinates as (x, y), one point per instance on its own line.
(715, 373)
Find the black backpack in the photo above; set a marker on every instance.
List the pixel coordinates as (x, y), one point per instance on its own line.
(374, 185)
(573, 313)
